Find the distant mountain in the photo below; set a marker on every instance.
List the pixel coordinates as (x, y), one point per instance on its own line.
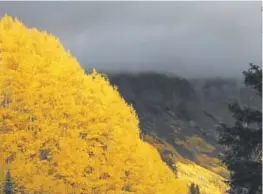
(184, 113)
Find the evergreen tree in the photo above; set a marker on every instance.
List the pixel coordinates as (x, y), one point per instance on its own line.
(194, 189)
(8, 188)
(243, 141)
(171, 163)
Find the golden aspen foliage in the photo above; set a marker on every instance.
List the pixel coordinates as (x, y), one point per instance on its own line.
(62, 131)
(208, 181)
(189, 172)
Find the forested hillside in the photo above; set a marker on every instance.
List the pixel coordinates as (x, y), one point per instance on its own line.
(185, 113)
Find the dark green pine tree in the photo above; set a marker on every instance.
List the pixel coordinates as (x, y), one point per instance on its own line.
(197, 191)
(8, 188)
(243, 142)
(194, 189)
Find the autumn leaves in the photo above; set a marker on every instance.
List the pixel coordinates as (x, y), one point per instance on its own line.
(68, 132)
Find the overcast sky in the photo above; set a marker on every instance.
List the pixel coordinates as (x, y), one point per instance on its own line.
(185, 38)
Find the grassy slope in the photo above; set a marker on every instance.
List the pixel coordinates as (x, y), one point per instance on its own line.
(209, 182)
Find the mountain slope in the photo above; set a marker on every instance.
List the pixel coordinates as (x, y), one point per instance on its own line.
(188, 171)
(183, 113)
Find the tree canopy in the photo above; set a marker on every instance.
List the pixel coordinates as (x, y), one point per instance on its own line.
(62, 131)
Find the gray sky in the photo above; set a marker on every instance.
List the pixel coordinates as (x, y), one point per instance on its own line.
(185, 38)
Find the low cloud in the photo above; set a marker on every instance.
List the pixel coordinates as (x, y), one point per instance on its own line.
(186, 38)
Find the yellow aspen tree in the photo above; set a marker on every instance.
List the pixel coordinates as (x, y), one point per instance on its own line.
(62, 131)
